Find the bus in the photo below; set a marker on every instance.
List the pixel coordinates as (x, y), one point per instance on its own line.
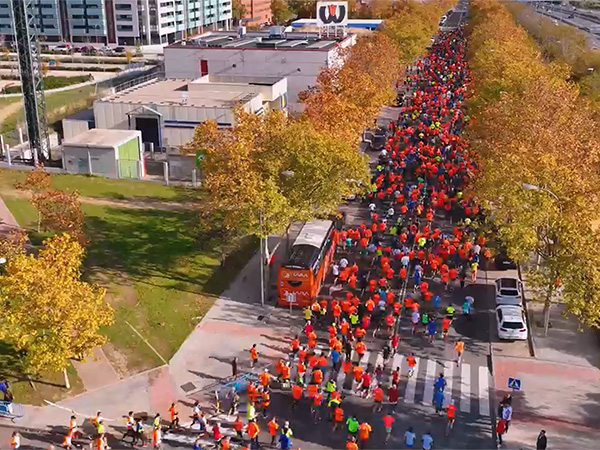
(301, 277)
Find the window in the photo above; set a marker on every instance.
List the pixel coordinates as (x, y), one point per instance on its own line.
(4, 6)
(124, 27)
(4, 16)
(121, 7)
(124, 17)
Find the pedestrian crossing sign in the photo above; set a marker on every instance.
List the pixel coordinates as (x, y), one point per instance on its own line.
(514, 384)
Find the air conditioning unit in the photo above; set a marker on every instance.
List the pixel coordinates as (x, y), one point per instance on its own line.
(277, 32)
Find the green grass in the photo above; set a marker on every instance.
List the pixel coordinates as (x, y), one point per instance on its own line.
(91, 186)
(159, 278)
(58, 106)
(48, 386)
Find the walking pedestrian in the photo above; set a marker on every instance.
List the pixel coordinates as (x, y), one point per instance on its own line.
(234, 367)
(365, 433)
(253, 431)
(273, 426)
(500, 430)
(507, 414)
(352, 425)
(15, 440)
(542, 441)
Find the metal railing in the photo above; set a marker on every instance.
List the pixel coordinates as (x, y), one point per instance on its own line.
(137, 81)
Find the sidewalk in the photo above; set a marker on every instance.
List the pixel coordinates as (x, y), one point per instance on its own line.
(233, 324)
(560, 385)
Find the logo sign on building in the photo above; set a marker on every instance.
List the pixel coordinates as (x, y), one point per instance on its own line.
(332, 14)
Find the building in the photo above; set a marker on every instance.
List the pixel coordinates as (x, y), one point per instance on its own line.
(257, 11)
(299, 57)
(167, 111)
(366, 24)
(121, 22)
(110, 153)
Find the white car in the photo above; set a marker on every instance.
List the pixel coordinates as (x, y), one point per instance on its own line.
(509, 291)
(511, 322)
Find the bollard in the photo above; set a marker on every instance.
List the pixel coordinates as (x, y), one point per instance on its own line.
(20, 135)
(89, 161)
(8, 158)
(1, 143)
(166, 172)
(194, 177)
(151, 144)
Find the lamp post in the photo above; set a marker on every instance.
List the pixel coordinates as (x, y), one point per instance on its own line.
(533, 187)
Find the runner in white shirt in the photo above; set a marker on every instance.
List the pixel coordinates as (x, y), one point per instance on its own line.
(415, 316)
(343, 263)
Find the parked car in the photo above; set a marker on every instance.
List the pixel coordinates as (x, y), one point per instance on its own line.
(509, 291)
(105, 50)
(503, 262)
(375, 138)
(511, 322)
(62, 48)
(88, 50)
(119, 50)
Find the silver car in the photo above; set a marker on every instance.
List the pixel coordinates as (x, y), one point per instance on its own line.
(509, 291)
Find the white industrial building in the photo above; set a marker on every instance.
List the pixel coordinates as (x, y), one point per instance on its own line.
(167, 111)
(297, 56)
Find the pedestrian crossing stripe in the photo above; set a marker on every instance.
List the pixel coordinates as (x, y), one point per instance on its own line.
(467, 385)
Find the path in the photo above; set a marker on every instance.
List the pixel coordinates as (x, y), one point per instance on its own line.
(129, 204)
(10, 109)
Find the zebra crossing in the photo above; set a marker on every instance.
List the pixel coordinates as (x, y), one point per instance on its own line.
(467, 385)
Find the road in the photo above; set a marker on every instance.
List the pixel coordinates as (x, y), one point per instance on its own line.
(578, 21)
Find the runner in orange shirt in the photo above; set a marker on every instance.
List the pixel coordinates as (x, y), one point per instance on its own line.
(451, 415)
(364, 432)
(338, 417)
(378, 398)
(264, 378)
(412, 362)
(360, 348)
(273, 426)
(296, 395)
(253, 356)
(351, 444)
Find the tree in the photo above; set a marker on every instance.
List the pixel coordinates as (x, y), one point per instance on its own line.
(556, 156)
(68, 312)
(239, 10)
(304, 9)
(57, 210)
(280, 11)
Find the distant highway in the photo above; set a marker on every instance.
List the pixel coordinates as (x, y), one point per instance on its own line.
(585, 20)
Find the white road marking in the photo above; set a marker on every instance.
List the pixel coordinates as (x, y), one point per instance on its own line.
(448, 377)
(411, 386)
(465, 388)
(484, 391)
(429, 381)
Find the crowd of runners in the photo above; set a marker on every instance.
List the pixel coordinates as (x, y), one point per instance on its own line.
(379, 281)
(381, 266)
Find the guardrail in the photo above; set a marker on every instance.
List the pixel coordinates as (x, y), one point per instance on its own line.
(137, 81)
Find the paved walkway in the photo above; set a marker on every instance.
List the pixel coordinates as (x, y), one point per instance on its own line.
(560, 385)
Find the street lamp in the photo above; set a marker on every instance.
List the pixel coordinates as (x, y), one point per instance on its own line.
(533, 187)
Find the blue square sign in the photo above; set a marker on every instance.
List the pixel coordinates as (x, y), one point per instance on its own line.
(514, 384)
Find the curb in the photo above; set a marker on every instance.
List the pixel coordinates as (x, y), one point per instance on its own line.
(530, 340)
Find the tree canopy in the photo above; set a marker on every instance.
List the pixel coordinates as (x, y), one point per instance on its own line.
(68, 311)
(539, 146)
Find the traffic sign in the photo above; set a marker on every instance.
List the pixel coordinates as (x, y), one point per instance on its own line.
(514, 384)
(199, 157)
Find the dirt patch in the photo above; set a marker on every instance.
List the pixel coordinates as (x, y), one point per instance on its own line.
(118, 360)
(120, 290)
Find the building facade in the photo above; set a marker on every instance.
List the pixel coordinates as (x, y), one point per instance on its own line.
(297, 56)
(120, 22)
(257, 11)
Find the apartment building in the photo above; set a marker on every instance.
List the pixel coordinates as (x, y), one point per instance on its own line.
(257, 11)
(120, 22)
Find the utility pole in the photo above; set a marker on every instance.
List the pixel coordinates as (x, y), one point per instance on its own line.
(32, 80)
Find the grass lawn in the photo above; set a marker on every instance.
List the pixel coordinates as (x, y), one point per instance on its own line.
(58, 105)
(158, 276)
(49, 386)
(92, 186)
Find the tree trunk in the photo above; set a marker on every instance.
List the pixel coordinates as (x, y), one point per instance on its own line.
(547, 304)
(66, 376)
(39, 224)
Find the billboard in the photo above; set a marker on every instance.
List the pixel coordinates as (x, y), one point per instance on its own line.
(332, 14)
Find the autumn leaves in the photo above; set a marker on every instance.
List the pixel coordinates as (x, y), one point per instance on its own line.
(539, 146)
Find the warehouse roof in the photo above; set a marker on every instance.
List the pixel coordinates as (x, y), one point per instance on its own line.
(174, 91)
(369, 24)
(285, 41)
(97, 137)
